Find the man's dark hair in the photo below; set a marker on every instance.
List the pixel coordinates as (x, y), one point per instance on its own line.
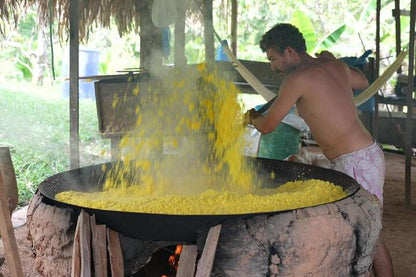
(281, 36)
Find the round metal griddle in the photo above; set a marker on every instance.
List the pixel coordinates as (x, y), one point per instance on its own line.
(165, 227)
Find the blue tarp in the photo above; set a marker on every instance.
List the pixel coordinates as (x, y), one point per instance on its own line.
(360, 63)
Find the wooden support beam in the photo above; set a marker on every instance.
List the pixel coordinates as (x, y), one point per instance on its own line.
(179, 47)
(234, 14)
(208, 254)
(150, 38)
(6, 229)
(74, 83)
(409, 119)
(208, 31)
(187, 261)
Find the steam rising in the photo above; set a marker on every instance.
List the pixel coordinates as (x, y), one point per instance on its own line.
(187, 138)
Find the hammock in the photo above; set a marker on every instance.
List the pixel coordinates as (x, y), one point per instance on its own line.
(268, 94)
(380, 81)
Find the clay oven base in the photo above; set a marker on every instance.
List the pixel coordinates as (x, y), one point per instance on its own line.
(337, 239)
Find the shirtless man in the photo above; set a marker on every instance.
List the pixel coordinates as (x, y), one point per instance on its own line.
(321, 88)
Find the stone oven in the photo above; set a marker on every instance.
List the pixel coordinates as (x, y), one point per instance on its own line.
(333, 239)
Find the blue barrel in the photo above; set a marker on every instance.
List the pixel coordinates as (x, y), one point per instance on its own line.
(88, 66)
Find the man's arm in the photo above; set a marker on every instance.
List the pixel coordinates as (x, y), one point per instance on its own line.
(289, 93)
(357, 79)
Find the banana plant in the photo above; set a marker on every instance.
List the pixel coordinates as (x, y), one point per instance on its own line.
(313, 45)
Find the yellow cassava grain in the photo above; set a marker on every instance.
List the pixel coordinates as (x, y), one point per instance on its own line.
(292, 195)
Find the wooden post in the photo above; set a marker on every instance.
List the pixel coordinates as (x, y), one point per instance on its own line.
(9, 240)
(409, 119)
(208, 254)
(179, 53)
(208, 31)
(74, 83)
(150, 38)
(396, 14)
(234, 14)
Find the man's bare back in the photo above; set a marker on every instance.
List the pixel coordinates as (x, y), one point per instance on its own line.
(321, 88)
(326, 104)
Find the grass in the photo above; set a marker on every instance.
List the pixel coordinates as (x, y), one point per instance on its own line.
(35, 125)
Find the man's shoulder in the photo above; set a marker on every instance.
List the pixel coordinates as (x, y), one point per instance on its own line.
(319, 69)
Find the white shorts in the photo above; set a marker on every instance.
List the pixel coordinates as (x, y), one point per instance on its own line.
(366, 166)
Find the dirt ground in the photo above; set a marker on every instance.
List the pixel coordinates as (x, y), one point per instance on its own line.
(399, 223)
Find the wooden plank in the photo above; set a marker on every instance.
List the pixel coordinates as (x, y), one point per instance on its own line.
(81, 257)
(76, 256)
(187, 259)
(99, 248)
(85, 243)
(115, 253)
(208, 254)
(6, 229)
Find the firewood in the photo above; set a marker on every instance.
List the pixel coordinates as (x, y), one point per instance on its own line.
(115, 253)
(99, 248)
(208, 254)
(187, 261)
(81, 265)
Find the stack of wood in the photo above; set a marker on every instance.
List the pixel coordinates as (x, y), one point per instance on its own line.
(91, 242)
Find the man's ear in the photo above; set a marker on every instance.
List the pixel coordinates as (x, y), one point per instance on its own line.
(290, 51)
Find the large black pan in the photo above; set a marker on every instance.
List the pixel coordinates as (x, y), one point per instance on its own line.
(164, 227)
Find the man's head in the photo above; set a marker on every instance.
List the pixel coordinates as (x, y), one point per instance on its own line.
(281, 36)
(284, 46)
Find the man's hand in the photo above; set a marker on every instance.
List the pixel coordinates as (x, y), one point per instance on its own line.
(325, 54)
(249, 117)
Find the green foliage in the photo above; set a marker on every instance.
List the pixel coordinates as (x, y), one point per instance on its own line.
(36, 127)
(331, 39)
(305, 26)
(24, 67)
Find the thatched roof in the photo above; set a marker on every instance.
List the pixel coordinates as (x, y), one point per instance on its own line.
(125, 13)
(8, 12)
(93, 13)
